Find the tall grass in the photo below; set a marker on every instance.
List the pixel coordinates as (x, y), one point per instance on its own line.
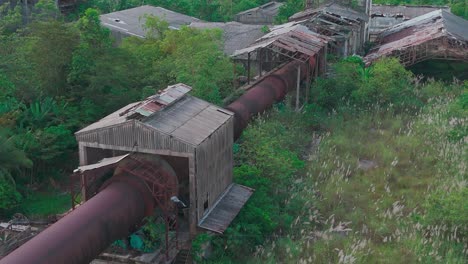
(383, 188)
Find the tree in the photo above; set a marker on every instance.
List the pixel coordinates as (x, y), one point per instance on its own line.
(194, 54)
(288, 9)
(11, 159)
(51, 54)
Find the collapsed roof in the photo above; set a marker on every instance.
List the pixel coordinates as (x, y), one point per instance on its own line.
(291, 39)
(331, 9)
(404, 11)
(435, 35)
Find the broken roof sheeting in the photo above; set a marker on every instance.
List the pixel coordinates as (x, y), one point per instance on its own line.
(430, 26)
(160, 100)
(334, 9)
(103, 163)
(226, 208)
(187, 118)
(290, 37)
(407, 12)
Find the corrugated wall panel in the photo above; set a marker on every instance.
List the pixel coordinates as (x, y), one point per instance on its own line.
(214, 161)
(134, 134)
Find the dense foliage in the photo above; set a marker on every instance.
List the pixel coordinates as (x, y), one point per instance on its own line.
(364, 174)
(56, 77)
(214, 10)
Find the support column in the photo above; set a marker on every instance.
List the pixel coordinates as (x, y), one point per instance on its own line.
(248, 68)
(298, 87)
(260, 62)
(308, 83)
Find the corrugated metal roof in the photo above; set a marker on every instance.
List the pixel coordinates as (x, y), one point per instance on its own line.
(416, 31)
(131, 21)
(407, 12)
(185, 117)
(190, 119)
(160, 100)
(113, 119)
(332, 8)
(226, 208)
(271, 9)
(235, 35)
(291, 37)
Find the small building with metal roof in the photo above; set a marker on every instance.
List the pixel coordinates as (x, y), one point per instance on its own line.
(261, 15)
(235, 35)
(130, 22)
(435, 35)
(347, 27)
(385, 16)
(192, 135)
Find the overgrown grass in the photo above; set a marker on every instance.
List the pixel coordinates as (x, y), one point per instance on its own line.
(43, 204)
(378, 178)
(383, 188)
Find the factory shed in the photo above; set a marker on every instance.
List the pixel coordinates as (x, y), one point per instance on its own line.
(262, 15)
(347, 27)
(130, 22)
(235, 35)
(385, 16)
(192, 135)
(435, 35)
(290, 41)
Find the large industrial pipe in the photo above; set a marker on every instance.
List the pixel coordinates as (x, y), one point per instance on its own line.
(273, 88)
(113, 213)
(87, 231)
(120, 207)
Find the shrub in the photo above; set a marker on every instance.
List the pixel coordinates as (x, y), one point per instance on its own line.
(448, 208)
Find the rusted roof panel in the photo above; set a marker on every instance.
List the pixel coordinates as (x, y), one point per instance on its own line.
(226, 208)
(290, 37)
(334, 9)
(405, 11)
(431, 26)
(159, 101)
(171, 112)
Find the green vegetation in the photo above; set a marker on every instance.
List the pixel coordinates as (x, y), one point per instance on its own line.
(373, 170)
(215, 10)
(441, 70)
(56, 77)
(45, 204)
(363, 175)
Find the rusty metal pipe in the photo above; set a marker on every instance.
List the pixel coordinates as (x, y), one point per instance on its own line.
(264, 94)
(120, 207)
(82, 235)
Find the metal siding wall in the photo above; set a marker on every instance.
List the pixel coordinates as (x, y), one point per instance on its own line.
(213, 157)
(134, 134)
(214, 161)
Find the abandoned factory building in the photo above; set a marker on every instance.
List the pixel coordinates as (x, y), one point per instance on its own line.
(192, 135)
